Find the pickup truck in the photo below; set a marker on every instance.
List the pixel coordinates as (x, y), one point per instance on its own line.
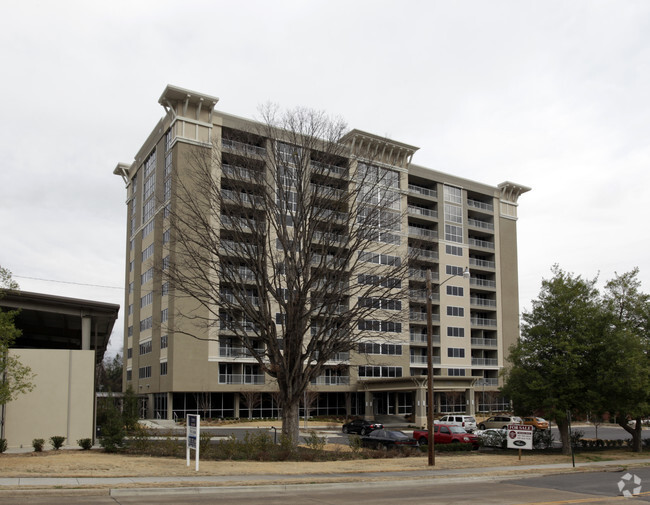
(447, 434)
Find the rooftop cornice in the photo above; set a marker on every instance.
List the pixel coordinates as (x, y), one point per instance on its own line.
(510, 191)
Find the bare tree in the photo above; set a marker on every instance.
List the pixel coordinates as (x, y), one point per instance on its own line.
(251, 399)
(286, 237)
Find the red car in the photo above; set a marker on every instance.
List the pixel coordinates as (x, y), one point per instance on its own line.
(447, 434)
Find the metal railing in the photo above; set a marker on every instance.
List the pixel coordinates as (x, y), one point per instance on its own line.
(480, 224)
(324, 380)
(480, 205)
(485, 362)
(485, 342)
(422, 360)
(480, 243)
(241, 379)
(422, 211)
(483, 321)
(423, 191)
(486, 283)
(419, 338)
(482, 263)
(241, 147)
(482, 302)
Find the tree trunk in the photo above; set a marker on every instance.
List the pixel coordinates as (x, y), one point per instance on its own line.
(563, 428)
(636, 432)
(290, 421)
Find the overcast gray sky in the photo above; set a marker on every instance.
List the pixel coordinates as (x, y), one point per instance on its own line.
(554, 95)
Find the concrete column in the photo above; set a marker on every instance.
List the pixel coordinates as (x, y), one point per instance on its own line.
(85, 332)
(369, 411)
(235, 403)
(470, 401)
(420, 409)
(170, 406)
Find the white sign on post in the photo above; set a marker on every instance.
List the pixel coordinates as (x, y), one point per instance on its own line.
(520, 436)
(193, 437)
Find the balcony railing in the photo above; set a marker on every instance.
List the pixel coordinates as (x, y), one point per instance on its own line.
(324, 380)
(237, 248)
(339, 356)
(230, 297)
(423, 191)
(489, 382)
(238, 197)
(423, 232)
(237, 352)
(483, 321)
(482, 263)
(233, 145)
(484, 342)
(328, 169)
(422, 360)
(241, 379)
(422, 316)
(423, 253)
(485, 283)
(416, 273)
(482, 302)
(477, 223)
(480, 205)
(480, 243)
(419, 338)
(327, 191)
(421, 294)
(241, 172)
(422, 211)
(485, 362)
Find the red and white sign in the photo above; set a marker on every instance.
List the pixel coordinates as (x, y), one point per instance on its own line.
(520, 436)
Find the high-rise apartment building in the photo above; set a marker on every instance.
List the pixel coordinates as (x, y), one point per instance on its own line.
(461, 231)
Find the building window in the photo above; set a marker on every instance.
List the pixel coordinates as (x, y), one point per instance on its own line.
(150, 164)
(163, 342)
(380, 371)
(454, 250)
(456, 372)
(453, 214)
(163, 368)
(148, 228)
(145, 347)
(454, 233)
(456, 311)
(129, 374)
(148, 210)
(375, 348)
(380, 259)
(165, 237)
(130, 309)
(167, 190)
(163, 315)
(129, 353)
(455, 352)
(144, 372)
(164, 289)
(165, 262)
(453, 195)
(147, 253)
(454, 331)
(166, 211)
(146, 324)
(455, 291)
(385, 326)
(169, 137)
(378, 280)
(381, 303)
(129, 331)
(453, 270)
(131, 266)
(130, 287)
(147, 276)
(149, 186)
(146, 300)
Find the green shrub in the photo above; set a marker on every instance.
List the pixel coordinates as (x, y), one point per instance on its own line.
(140, 438)
(354, 441)
(576, 436)
(315, 442)
(454, 447)
(3, 445)
(85, 443)
(112, 437)
(57, 442)
(38, 444)
(130, 414)
(204, 444)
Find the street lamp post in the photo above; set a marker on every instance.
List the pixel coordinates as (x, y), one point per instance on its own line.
(430, 404)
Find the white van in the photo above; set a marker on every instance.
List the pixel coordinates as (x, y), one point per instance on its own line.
(466, 422)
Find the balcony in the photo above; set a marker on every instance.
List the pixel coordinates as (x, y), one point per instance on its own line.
(327, 169)
(241, 379)
(241, 172)
(431, 193)
(477, 223)
(230, 298)
(241, 197)
(482, 302)
(485, 362)
(423, 253)
(422, 211)
(484, 342)
(329, 237)
(483, 321)
(482, 263)
(422, 360)
(422, 316)
(338, 357)
(240, 147)
(480, 205)
(327, 192)
(417, 274)
(419, 338)
(421, 294)
(237, 248)
(237, 352)
(483, 283)
(324, 380)
(490, 382)
(480, 243)
(423, 232)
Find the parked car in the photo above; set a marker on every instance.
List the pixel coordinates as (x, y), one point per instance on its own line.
(466, 422)
(499, 422)
(492, 437)
(361, 426)
(447, 434)
(537, 422)
(387, 439)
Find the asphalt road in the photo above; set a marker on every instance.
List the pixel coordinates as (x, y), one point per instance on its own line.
(601, 488)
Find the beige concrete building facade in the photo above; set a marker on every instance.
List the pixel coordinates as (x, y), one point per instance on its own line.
(463, 231)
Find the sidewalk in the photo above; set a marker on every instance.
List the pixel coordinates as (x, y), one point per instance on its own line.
(140, 485)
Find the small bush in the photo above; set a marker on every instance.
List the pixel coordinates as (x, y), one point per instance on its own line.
(315, 442)
(38, 444)
(354, 441)
(3, 445)
(542, 439)
(85, 443)
(140, 438)
(57, 442)
(576, 436)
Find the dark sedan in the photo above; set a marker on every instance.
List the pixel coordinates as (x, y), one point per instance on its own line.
(361, 426)
(387, 439)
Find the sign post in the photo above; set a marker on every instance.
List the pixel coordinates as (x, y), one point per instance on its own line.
(520, 436)
(193, 437)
